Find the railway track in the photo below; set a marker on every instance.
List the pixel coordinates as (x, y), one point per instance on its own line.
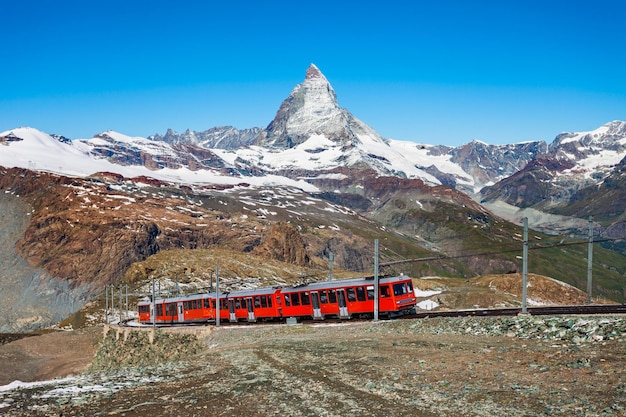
(533, 311)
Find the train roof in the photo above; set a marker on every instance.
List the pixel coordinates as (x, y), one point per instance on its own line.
(351, 282)
(252, 292)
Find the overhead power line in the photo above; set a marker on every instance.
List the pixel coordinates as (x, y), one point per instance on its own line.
(533, 246)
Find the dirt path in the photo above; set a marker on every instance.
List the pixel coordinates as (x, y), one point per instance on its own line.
(48, 355)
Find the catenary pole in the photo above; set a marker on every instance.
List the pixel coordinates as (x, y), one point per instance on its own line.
(121, 294)
(376, 296)
(112, 302)
(218, 308)
(589, 260)
(106, 308)
(153, 305)
(525, 266)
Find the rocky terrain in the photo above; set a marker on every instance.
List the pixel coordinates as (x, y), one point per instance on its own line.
(514, 366)
(470, 366)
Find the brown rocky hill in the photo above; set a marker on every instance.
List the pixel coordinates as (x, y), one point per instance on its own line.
(500, 291)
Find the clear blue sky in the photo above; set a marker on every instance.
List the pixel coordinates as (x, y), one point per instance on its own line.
(436, 72)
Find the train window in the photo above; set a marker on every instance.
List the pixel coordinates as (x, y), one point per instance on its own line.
(237, 303)
(332, 296)
(360, 293)
(144, 309)
(213, 303)
(399, 289)
(264, 301)
(269, 300)
(287, 302)
(370, 292)
(278, 299)
(305, 298)
(351, 295)
(159, 309)
(206, 303)
(409, 284)
(384, 291)
(323, 297)
(244, 304)
(257, 302)
(295, 299)
(223, 304)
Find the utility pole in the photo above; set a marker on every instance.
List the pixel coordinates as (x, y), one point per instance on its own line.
(106, 308)
(121, 301)
(589, 259)
(112, 302)
(218, 308)
(376, 296)
(153, 305)
(525, 265)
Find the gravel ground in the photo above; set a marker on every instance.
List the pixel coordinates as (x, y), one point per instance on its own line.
(522, 366)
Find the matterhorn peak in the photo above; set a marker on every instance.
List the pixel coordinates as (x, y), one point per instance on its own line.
(314, 72)
(311, 108)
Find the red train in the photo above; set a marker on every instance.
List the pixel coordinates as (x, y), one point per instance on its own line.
(338, 299)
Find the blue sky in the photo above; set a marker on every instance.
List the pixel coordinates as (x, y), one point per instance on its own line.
(436, 72)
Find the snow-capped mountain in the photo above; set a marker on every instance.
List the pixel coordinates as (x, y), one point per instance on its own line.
(573, 162)
(594, 153)
(222, 137)
(311, 105)
(312, 137)
(128, 156)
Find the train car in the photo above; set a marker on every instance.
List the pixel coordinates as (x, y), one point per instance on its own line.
(349, 298)
(194, 308)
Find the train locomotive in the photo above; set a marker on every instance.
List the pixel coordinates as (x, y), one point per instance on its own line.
(343, 299)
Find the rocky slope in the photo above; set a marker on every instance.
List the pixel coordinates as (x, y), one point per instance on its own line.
(577, 177)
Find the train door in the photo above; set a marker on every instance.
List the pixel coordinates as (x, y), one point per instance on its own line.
(181, 315)
(343, 307)
(251, 316)
(231, 310)
(317, 311)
